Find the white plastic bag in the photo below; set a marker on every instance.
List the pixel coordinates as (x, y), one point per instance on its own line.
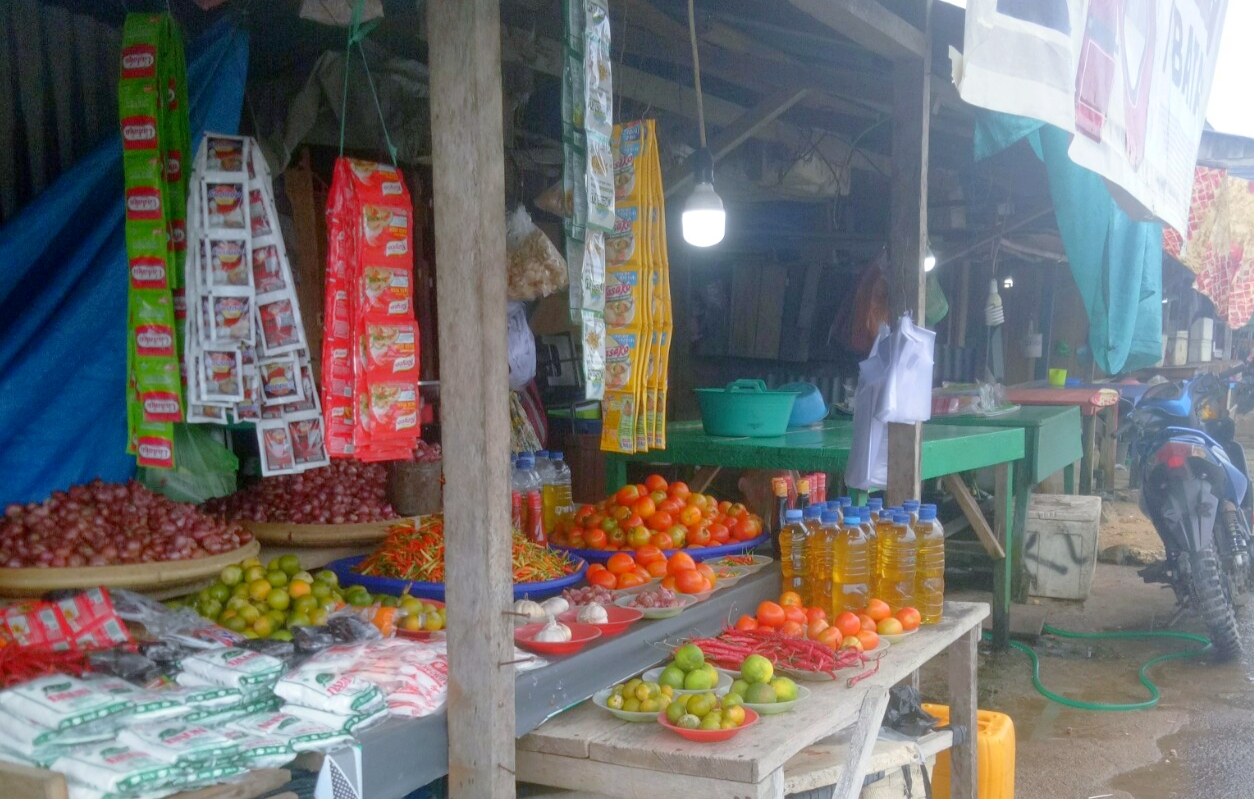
(868, 455)
(520, 347)
(910, 373)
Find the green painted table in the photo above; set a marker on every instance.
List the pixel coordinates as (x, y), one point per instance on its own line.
(1051, 438)
(947, 449)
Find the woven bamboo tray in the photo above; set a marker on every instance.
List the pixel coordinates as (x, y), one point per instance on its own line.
(319, 535)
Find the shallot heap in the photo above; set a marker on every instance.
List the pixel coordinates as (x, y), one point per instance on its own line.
(346, 492)
(105, 524)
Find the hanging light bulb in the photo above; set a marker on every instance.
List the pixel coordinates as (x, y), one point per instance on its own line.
(994, 314)
(704, 220)
(929, 260)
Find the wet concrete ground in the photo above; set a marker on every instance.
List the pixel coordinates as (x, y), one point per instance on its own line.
(1198, 742)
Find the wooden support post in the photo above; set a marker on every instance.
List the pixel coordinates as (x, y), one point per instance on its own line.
(1003, 578)
(971, 510)
(1088, 427)
(912, 113)
(865, 732)
(469, 191)
(963, 659)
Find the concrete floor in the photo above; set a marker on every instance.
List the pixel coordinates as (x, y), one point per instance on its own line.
(1196, 743)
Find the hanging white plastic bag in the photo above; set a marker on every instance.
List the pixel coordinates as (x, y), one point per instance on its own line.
(910, 374)
(868, 455)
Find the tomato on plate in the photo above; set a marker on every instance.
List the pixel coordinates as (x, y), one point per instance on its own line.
(627, 495)
(699, 536)
(659, 521)
(603, 579)
(671, 505)
(620, 563)
(690, 581)
(649, 554)
(770, 614)
(747, 623)
(689, 515)
(595, 538)
(795, 614)
(644, 507)
(638, 536)
(790, 599)
(679, 489)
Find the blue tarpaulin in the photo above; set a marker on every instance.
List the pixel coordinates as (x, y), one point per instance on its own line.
(1115, 260)
(63, 286)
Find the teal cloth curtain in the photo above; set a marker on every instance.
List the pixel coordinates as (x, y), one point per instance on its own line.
(1116, 261)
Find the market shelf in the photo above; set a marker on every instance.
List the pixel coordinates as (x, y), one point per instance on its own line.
(402, 755)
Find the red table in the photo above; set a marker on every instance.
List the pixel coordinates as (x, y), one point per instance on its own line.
(1094, 400)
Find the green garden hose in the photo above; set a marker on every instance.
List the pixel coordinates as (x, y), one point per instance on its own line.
(1145, 680)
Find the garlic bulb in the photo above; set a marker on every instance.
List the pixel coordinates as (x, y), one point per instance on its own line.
(532, 610)
(552, 632)
(555, 605)
(592, 614)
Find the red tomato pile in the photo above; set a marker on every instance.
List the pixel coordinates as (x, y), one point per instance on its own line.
(849, 630)
(659, 514)
(678, 573)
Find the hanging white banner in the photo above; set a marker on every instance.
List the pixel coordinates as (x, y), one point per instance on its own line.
(1130, 78)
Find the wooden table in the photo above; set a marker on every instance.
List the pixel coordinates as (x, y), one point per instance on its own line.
(1051, 442)
(586, 749)
(947, 450)
(1093, 400)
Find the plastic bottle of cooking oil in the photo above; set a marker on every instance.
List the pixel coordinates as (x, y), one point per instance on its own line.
(874, 505)
(821, 560)
(556, 492)
(929, 578)
(911, 507)
(898, 554)
(850, 572)
(812, 517)
(793, 553)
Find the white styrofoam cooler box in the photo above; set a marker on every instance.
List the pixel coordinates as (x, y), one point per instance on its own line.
(1060, 548)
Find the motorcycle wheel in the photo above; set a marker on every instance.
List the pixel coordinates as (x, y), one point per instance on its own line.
(1211, 602)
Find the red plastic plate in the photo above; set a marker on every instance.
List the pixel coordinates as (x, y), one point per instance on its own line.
(709, 736)
(620, 619)
(580, 636)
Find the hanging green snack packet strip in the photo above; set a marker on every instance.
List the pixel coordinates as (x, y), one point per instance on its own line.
(152, 113)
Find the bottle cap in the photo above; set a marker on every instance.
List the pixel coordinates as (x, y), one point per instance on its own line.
(927, 513)
(832, 505)
(901, 518)
(803, 486)
(875, 503)
(853, 516)
(556, 456)
(845, 502)
(830, 517)
(780, 486)
(525, 461)
(793, 515)
(544, 453)
(814, 511)
(910, 505)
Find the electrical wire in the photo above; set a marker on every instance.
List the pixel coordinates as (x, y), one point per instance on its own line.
(696, 70)
(1155, 694)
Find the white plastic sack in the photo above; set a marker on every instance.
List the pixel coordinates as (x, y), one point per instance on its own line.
(521, 348)
(910, 373)
(868, 455)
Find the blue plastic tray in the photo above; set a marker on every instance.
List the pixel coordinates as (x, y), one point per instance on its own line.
(698, 554)
(343, 569)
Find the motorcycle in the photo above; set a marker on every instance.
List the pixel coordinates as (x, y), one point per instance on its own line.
(1195, 488)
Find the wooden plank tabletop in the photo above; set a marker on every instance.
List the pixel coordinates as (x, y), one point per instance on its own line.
(572, 746)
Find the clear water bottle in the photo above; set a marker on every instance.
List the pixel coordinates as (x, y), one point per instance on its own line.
(559, 506)
(929, 582)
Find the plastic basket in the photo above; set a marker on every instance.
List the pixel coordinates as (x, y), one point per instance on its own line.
(745, 408)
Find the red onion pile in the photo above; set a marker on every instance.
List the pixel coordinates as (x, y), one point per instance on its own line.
(588, 595)
(426, 453)
(106, 524)
(346, 492)
(656, 598)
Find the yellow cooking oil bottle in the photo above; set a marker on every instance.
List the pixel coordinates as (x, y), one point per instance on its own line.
(793, 554)
(874, 505)
(812, 518)
(929, 577)
(851, 570)
(821, 559)
(897, 555)
(911, 507)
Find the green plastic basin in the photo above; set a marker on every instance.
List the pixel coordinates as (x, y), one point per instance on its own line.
(745, 408)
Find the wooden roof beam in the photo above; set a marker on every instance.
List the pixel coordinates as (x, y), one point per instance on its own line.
(545, 55)
(869, 24)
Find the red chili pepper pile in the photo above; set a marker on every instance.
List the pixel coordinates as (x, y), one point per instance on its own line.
(732, 646)
(21, 664)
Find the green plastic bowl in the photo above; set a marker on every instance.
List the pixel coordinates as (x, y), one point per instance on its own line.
(745, 408)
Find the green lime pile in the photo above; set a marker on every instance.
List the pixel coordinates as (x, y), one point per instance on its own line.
(688, 671)
(638, 696)
(414, 615)
(758, 684)
(268, 601)
(705, 711)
